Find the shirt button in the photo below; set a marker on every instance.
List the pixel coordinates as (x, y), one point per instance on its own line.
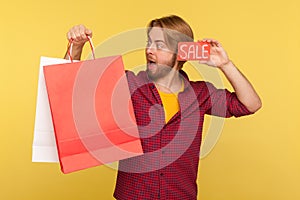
(161, 174)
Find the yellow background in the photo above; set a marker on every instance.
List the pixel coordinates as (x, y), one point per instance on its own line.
(257, 157)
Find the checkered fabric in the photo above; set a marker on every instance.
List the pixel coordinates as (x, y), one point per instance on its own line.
(168, 169)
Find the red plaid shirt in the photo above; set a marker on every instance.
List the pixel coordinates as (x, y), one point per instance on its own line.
(168, 169)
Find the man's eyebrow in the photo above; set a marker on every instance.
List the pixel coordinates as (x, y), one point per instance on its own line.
(159, 41)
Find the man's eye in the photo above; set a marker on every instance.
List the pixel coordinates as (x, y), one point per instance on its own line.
(160, 46)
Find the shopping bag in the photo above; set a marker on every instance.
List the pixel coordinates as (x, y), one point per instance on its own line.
(44, 145)
(92, 113)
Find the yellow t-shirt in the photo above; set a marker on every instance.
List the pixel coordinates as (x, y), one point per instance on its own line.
(170, 103)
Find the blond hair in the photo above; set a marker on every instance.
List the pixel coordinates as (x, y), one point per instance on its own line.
(175, 30)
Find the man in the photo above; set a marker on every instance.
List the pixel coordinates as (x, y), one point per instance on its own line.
(169, 111)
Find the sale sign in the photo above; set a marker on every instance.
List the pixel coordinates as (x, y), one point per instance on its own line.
(193, 51)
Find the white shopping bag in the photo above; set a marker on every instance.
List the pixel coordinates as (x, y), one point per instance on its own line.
(44, 144)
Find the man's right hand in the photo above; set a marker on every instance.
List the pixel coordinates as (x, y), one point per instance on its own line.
(78, 35)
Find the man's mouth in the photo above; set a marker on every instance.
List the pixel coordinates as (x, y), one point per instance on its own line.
(151, 64)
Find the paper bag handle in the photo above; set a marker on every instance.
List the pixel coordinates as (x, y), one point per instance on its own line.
(70, 45)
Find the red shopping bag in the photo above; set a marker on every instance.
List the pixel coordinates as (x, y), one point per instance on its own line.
(92, 113)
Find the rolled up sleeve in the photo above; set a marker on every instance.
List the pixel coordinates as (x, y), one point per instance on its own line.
(222, 103)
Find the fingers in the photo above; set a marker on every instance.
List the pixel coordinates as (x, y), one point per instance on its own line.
(88, 32)
(213, 42)
(78, 34)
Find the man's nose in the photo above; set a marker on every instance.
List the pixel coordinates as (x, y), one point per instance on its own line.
(150, 49)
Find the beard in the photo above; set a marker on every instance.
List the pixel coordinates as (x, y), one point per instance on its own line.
(162, 70)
